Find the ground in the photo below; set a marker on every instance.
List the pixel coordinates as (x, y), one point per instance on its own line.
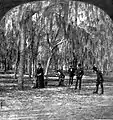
(58, 103)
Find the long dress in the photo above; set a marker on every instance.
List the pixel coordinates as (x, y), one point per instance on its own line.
(40, 78)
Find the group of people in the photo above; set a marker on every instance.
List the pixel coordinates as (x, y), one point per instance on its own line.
(79, 75)
(72, 72)
(79, 72)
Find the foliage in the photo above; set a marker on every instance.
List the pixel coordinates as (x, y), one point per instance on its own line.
(85, 29)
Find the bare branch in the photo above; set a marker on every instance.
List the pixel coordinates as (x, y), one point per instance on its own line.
(58, 44)
(57, 33)
(50, 45)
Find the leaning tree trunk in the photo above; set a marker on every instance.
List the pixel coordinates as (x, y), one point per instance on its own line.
(47, 68)
(22, 56)
(50, 57)
(48, 63)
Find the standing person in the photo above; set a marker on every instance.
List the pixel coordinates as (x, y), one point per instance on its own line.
(99, 80)
(71, 72)
(39, 77)
(61, 77)
(79, 75)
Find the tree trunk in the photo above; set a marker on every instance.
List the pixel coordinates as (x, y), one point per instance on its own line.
(5, 64)
(30, 65)
(22, 56)
(16, 64)
(46, 70)
(47, 66)
(33, 69)
(50, 57)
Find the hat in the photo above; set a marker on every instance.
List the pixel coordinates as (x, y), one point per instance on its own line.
(79, 64)
(39, 64)
(94, 68)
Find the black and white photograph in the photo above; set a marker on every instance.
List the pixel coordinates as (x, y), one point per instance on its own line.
(56, 59)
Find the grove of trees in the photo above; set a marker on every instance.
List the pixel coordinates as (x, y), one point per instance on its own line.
(57, 34)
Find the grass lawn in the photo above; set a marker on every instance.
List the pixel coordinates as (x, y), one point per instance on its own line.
(57, 103)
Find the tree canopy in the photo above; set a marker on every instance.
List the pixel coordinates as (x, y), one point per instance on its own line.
(56, 33)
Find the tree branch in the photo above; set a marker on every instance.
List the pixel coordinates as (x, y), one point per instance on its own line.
(57, 33)
(50, 45)
(58, 44)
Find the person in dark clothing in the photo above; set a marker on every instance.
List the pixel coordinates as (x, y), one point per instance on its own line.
(61, 77)
(71, 72)
(99, 80)
(79, 75)
(39, 74)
